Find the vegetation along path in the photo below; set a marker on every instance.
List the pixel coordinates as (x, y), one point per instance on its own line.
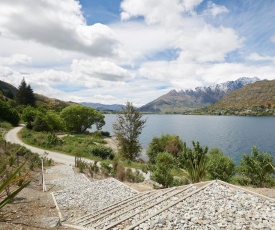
(12, 137)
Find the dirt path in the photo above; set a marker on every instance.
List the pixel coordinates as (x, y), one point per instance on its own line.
(12, 137)
(112, 144)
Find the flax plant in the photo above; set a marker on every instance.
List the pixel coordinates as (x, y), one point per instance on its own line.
(11, 183)
(193, 162)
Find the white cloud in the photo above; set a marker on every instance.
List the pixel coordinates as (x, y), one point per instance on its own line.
(139, 40)
(50, 44)
(55, 23)
(273, 39)
(101, 69)
(214, 10)
(257, 57)
(208, 44)
(15, 59)
(190, 75)
(166, 12)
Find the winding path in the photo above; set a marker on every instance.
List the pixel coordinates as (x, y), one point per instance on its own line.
(12, 136)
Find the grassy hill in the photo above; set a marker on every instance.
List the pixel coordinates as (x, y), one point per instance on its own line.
(259, 94)
(8, 92)
(257, 99)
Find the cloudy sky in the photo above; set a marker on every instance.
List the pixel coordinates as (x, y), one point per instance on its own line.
(113, 51)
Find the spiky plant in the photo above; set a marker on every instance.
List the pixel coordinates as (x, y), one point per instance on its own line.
(11, 182)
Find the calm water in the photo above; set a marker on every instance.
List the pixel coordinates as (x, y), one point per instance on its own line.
(233, 135)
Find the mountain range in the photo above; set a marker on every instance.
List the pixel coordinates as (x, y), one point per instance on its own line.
(244, 93)
(184, 100)
(103, 107)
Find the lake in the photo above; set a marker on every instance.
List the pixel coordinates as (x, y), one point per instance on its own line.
(233, 135)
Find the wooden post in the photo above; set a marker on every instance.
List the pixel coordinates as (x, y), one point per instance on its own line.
(43, 180)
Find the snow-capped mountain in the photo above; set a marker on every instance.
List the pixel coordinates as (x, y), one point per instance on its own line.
(178, 101)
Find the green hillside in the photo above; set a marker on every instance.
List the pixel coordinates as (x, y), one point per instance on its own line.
(254, 99)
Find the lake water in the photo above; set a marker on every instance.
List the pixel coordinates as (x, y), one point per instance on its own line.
(232, 135)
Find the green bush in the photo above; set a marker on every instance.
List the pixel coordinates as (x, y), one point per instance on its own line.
(105, 133)
(106, 169)
(166, 143)
(102, 152)
(134, 177)
(220, 166)
(194, 162)
(53, 140)
(258, 168)
(9, 114)
(162, 173)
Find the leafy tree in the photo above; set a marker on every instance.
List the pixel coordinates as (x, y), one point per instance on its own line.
(54, 121)
(40, 123)
(127, 130)
(194, 161)
(220, 166)
(9, 114)
(257, 167)
(78, 118)
(162, 172)
(25, 95)
(28, 115)
(166, 143)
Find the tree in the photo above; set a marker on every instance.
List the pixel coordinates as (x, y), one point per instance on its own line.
(166, 143)
(220, 166)
(127, 129)
(194, 161)
(78, 118)
(28, 115)
(25, 95)
(9, 114)
(54, 121)
(162, 172)
(257, 167)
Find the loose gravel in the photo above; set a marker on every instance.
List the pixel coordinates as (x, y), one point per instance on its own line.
(88, 196)
(216, 207)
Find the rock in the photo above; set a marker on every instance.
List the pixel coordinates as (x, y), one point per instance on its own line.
(52, 222)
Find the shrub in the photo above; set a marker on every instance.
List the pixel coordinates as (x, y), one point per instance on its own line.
(53, 140)
(81, 165)
(9, 114)
(220, 166)
(93, 168)
(194, 162)
(178, 182)
(105, 169)
(257, 167)
(134, 177)
(105, 133)
(40, 123)
(102, 152)
(162, 173)
(166, 143)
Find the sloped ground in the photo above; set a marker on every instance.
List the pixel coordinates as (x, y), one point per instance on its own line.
(216, 205)
(79, 195)
(213, 205)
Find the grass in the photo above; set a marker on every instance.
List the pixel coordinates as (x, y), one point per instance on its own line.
(77, 144)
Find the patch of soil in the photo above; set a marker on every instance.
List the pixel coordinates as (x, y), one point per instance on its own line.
(30, 208)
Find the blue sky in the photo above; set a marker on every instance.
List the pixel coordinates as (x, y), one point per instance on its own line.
(113, 51)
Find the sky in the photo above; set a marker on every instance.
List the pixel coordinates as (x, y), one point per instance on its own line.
(114, 51)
